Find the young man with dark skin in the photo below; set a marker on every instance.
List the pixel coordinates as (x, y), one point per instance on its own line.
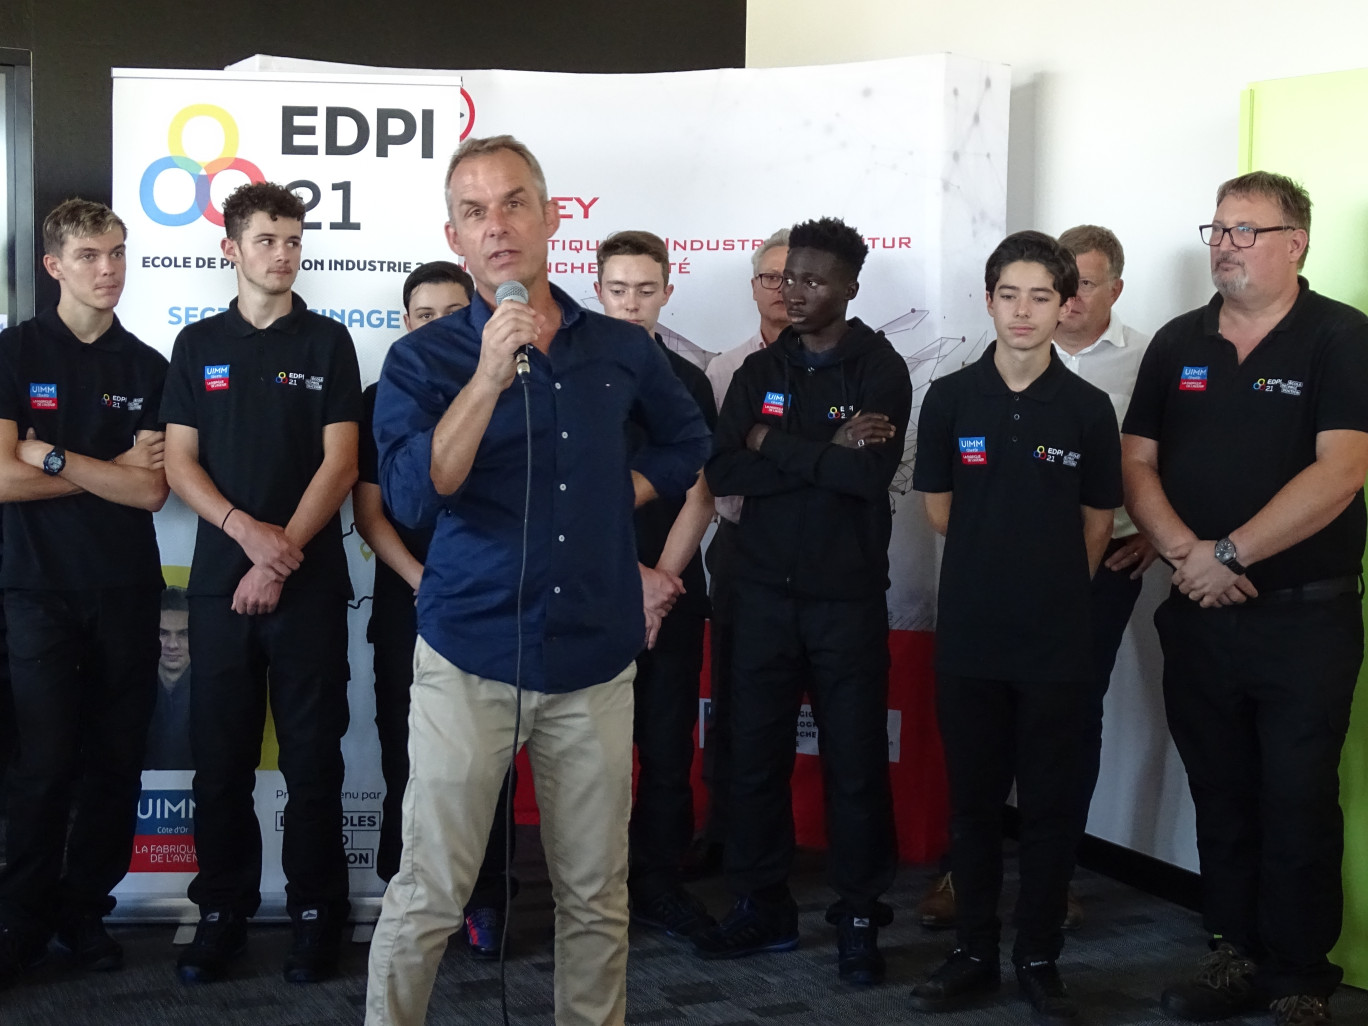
(81, 579)
(1015, 447)
(634, 285)
(811, 435)
(262, 405)
(432, 291)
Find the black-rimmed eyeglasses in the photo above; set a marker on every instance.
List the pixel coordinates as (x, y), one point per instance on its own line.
(770, 280)
(1241, 236)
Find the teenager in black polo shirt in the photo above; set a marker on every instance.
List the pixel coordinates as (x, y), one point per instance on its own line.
(634, 285)
(1020, 462)
(80, 476)
(811, 434)
(433, 290)
(262, 405)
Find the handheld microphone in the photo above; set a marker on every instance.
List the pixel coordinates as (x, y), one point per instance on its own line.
(516, 291)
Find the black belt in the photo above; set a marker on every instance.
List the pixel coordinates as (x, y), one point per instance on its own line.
(1313, 591)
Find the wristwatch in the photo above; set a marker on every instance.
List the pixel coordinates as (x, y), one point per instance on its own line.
(54, 462)
(1227, 557)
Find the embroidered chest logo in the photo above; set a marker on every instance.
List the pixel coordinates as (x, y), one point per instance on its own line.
(1193, 379)
(294, 379)
(1280, 386)
(1049, 454)
(42, 397)
(113, 401)
(216, 377)
(974, 450)
(773, 405)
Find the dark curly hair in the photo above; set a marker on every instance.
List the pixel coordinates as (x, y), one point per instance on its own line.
(1034, 248)
(267, 197)
(831, 235)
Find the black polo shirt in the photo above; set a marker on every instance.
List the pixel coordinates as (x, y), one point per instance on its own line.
(1232, 434)
(393, 617)
(260, 399)
(91, 398)
(654, 520)
(1014, 585)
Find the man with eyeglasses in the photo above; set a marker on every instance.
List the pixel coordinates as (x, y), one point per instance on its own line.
(1245, 449)
(767, 265)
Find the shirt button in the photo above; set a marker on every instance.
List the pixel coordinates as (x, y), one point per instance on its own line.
(556, 590)
(558, 384)
(562, 487)
(1013, 439)
(1016, 416)
(560, 538)
(1015, 398)
(565, 434)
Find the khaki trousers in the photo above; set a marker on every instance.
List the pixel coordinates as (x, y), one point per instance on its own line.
(460, 741)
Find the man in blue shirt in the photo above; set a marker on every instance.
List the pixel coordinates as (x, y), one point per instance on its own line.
(531, 580)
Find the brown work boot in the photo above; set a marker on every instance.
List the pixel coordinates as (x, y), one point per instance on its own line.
(1073, 913)
(1301, 1010)
(937, 908)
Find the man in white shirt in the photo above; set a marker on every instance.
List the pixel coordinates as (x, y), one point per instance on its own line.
(767, 263)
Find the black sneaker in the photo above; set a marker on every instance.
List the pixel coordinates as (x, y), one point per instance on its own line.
(1222, 986)
(749, 929)
(317, 945)
(219, 938)
(1301, 1010)
(676, 913)
(959, 981)
(484, 930)
(19, 952)
(87, 944)
(1041, 985)
(858, 959)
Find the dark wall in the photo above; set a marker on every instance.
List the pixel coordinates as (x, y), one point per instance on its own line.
(75, 43)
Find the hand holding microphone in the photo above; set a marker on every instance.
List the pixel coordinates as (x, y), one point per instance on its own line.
(513, 326)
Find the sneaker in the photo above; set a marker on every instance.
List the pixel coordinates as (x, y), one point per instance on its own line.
(858, 959)
(219, 938)
(959, 981)
(87, 944)
(1043, 988)
(937, 908)
(484, 930)
(749, 929)
(317, 945)
(702, 860)
(1222, 986)
(1301, 1010)
(19, 952)
(676, 913)
(1073, 913)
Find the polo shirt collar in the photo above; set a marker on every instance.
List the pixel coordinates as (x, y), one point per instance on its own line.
(480, 311)
(291, 322)
(1211, 316)
(1042, 389)
(114, 339)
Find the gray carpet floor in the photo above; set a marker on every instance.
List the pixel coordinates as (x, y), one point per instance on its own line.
(1130, 946)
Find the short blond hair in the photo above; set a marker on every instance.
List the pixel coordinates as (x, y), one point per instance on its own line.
(484, 147)
(78, 219)
(1087, 238)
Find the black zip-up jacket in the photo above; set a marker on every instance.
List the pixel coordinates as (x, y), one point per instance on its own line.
(816, 519)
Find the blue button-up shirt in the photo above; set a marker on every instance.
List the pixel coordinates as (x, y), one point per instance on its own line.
(582, 620)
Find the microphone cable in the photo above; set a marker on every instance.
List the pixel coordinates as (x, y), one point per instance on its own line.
(509, 825)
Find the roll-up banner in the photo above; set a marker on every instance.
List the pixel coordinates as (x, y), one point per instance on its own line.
(912, 152)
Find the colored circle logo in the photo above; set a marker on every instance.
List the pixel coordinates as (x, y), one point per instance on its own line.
(1040, 452)
(281, 377)
(202, 174)
(1260, 384)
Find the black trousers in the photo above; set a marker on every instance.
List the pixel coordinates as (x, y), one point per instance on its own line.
(393, 679)
(302, 648)
(666, 708)
(996, 731)
(1113, 600)
(838, 652)
(1258, 700)
(84, 677)
(721, 562)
